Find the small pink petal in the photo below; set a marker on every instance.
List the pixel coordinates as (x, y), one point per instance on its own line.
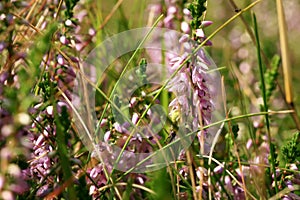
(107, 136)
(183, 39)
(206, 23)
(135, 118)
(185, 27)
(200, 33)
(63, 39)
(172, 10)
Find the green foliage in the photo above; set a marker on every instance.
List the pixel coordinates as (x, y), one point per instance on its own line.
(35, 56)
(38, 74)
(161, 184)
(273, 148)
(235, 130)
(63, 124)
(70, 4)
(118, 116)
(197, 8)
(291, 151)
(81, 189)
(28, 77)
(271, 76)
(229, 146)
(44, 85)
(141, 71)
(128, 191)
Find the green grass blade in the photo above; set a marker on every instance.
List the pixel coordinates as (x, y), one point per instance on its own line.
(264, 95)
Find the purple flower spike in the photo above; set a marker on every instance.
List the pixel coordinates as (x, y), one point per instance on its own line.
(192, 78)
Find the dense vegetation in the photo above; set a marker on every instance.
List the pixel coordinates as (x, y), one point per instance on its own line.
(131, 99)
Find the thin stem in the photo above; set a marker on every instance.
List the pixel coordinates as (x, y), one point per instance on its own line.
(263, 87)
(109, 16)
(190, 166)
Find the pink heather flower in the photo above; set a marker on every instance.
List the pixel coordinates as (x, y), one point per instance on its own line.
(63, 39)
(174, 15)
(172, 10)
(185, 27)
(206, 23)
(135, 118)
(80, 15)
(219, 169)
(68, 22)
(98, 176)
(155, 8)
(92, 32)
(200, 33)
(169, 22)
(187, 12)
(192, 79)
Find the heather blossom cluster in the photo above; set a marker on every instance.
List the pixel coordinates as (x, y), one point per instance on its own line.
(191, 87)
(194, 87)
(14, 118)
(15, 145)
(192, 78)
(29, 138)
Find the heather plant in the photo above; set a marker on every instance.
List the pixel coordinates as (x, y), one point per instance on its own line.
(173, 99)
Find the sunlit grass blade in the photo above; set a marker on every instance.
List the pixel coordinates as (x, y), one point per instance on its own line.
(284, 52)
(286, 65)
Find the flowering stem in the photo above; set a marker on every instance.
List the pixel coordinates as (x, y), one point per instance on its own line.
(190, 164)
(192, 54)
(62, 149)
(174, 74)
(162, 88)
